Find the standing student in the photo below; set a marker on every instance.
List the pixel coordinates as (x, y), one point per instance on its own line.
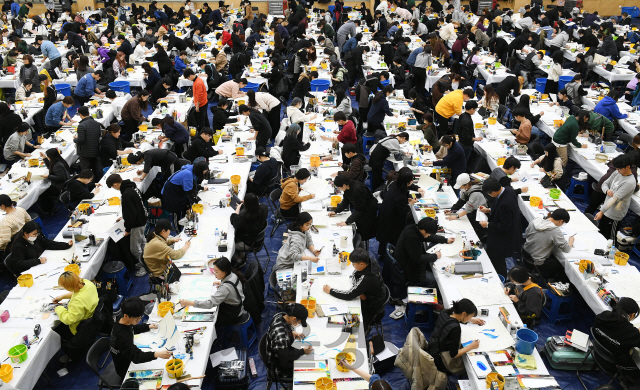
(526, 296)
(380, 152)
(199, 98)
(271, 107)
(58, 176)
(163, 158)
(134, 215)
(292, 146)
(88, 142)
(173, 131)
(180, 190)
(261, 127)
(445, 345)
(455, 158)
(132, 113)
(619, 188)
(364, 207)
(379, 109)
(395, 210)
(57, 115)
(123, 349)
(467, 130)
(450, 105)
(503, 227)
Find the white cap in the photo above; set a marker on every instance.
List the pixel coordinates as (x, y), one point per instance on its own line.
(462, 179)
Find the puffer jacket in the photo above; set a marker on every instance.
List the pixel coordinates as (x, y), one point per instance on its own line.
(88, 140)
(417, 365)
(293, 248)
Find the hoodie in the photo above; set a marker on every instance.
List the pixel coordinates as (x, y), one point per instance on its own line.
(542, 236)
(293, 248)
(133, 211)
(618, 335)
(355, 169)
(291, 194)
(608, 108)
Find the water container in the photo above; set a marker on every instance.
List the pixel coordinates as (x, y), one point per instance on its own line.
(526, 341)
(564, 80)
(120, 86)
(64, 89)
(541, 84)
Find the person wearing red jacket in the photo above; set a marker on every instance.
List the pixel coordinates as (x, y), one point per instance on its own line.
(226, 38)
(199, 97)
(345, 136)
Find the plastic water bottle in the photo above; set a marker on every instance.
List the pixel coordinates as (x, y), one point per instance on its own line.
(217, 234)
(612, 252)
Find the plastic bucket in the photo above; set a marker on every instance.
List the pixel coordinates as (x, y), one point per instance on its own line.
(494, 378)
(175, 368)
(75, 268)
(492, 120)
(251, 87)
(25, 280)
(541, 84)
(314, 161)
(18, 354)
(198, 208)
(120, 86)
(534, 201)
(554, 193)
(324, 383)
(239, 151)
(320, 85)
(348, 356)
(621, 258)
(164, 308)
(235, 179)
(335, 200)
(564, 80)
(6, 373)
(310, 304)
(526, 341)
(64, 89)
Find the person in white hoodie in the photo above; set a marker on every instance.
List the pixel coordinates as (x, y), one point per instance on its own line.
(298, 240)
(296, 115)
(542, 235)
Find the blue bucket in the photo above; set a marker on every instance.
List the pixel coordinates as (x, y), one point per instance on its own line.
(250, 87)
(120, 86)
(320, 85)
(64, 89)
(541, 84)
(634, 12)
(564, 80)
(526, 341)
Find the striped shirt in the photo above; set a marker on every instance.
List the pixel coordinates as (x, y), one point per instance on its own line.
(11, 224)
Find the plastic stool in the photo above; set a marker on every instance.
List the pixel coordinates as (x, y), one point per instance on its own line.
(410, 315)
(36, 218)
(116, 270)
(117, 304)
(585, 186)
(478, 82)
(243, 333)
(553, 312)
(365, 141)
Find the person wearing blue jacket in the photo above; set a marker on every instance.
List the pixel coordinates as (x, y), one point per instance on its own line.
(608, 107)
(181, 189)
(87, 87)
(455, 158)
(57, 113)
(180, 62)
(636, 96)
(379, 109)
(173, 131)
(351, 43)
(15, 8)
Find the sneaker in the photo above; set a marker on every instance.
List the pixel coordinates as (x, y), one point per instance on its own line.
(141, 272)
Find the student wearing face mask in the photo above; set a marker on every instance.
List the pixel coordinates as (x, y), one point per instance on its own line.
(280, 337)
(27, 247)
(526, 296)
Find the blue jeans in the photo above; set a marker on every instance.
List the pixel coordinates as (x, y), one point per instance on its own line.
(544, 138)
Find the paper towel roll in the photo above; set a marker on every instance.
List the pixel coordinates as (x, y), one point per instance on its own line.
(593, 282)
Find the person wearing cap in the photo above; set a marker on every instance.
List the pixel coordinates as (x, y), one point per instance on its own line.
(290, 197)
(163, 158)
(280, 337)
(158, 250)
(88, 142)
(364, 207)
(112, 146)
(87, 87)
(616, 332)
(467, 130)
(266, 171)
(471, 198)
(410, 252)
(201, 146)
(132, 113)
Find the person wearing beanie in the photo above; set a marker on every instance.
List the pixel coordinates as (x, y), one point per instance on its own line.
(163, 158)
(201, 146)
(264, 174)
(88, 142)
(158, 250)
(291, 193)
(364, 207)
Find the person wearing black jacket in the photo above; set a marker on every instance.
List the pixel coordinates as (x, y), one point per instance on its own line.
(237, 63)
(503, 228)
(201, 146)
(291, 146)
(524, 104)
(123, 350)
(220, 115)
(9, 122)
(134, 215)
(125, 46)
(266, 171)
(160, 91)
(365, 281)
(354, 61)
(500, 49)
(302, 88)
(364, 207)
(510, 83)
(164, 62)
(27, 247)
(58, 176)
(394, 210)
(466, 129)
(74, 40)
(174, 42)
(261, 126)
(88, 142)
(81, 188)
(249, 220)
(274, 77)
(588, 39)
(113, 146)
(237, 43)
(163, 158)
(411, 254)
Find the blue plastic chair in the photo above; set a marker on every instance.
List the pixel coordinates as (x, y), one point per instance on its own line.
(367, 142)
(320, 85)
(120, 86)
(116, 270)
(478, 82)
(552, 311)
(634, 12)
(245, 341)
(575, 182)
(410, 315)
(36, 218)
(64, 89)
(117, 304)
(251, 87)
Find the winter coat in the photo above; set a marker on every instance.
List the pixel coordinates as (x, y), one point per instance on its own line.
(364, 209)
(416, 364)
(88, 139)
(291, 194)
(133, 210)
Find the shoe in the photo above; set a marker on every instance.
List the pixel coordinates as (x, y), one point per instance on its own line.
(141, 272)
(64, 359)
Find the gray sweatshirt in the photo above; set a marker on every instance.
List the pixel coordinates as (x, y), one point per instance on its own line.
(542, 237)
(225, 294)
(475, 200)
(615, 207)
(293, 249)
(15, 143)
(391, 143)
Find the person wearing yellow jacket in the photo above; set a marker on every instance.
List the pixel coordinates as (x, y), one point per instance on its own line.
(450, 105)
(83, 299)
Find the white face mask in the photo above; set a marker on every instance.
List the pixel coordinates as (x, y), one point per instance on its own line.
(32, 239)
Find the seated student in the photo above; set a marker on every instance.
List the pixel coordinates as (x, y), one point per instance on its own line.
(542, 236)
(27, 247)
(291, 193)
(229, 296)
(364, 207)
(58, 176)
(266, 171)
(158, 250)
(366, 283)
(550, 162)
(563, 100)
(608, 107)
(280, 337)
(123, 350)
(526, 296)
(523, 134)
(112, 146)
(57, 114)
(73, 328)
(353, 169)
(299, 239)
(471, 198)
(510, 166)
(249, 220)
(292, 146)
(81, 187)
(14, 146)
(201, 146)
(410, 251)
(614, 330)
(445, 344)
(163, 158)
(14, 219)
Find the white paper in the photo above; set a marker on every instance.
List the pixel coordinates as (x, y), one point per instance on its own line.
(486, 334)
(17, 292)
(226, 355)
(481, 217)
(334, 309)
(116, 232)
(486, 295)
(536, 383)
